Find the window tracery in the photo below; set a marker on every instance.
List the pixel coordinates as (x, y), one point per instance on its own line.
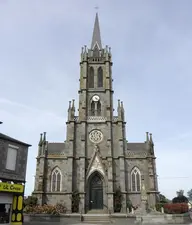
(56, 178)
(135, 179)
(95, 108)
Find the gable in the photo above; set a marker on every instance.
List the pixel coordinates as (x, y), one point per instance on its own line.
(95, 163)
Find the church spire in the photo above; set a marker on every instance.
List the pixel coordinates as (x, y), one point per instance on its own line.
(96, 39)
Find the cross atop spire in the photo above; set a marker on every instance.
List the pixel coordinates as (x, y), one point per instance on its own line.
(96, 39)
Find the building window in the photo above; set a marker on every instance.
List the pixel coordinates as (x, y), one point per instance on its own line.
(93, 107)
(91, 78)
(100, 77)
(135, 180)
(11, 157)
(56, 179)
(98, 109)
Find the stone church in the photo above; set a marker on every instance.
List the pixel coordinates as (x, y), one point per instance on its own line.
(95, 159)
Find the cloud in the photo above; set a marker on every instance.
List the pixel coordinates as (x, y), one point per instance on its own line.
(151, 44)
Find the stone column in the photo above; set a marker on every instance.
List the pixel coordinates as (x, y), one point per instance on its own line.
(69, 184)
(144, 202)
(122, 184)
(110, 185)
(82, 185)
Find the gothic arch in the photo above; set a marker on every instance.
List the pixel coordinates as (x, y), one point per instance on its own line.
(135, 179)
(95, 108)
(91, 78)
(96, 173)
(98, 108)
(96, 50)
(100, 77)
(56, 180)
(96, 190)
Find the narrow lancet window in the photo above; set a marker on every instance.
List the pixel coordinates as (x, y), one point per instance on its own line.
(91, 78)
(98, 109)
(92, 108)
(135, 180)
(100, 77)
(56, 180)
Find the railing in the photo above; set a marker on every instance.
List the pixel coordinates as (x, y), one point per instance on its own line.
(96, 59)
(96, 118)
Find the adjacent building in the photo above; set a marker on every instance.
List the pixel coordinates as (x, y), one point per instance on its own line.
(13, 163)
(95, 159)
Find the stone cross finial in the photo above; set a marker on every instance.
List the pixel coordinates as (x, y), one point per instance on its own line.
(69, 104)
(147, 136)
(44, 138)
(96, 7)
(119, 103)
(40, 141)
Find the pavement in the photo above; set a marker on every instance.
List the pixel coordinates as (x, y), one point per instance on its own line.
(58, 223)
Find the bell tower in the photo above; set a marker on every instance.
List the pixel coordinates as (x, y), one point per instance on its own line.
(95, 94)
(95, 137)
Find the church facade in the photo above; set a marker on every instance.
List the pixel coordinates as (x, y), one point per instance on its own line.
(95, 159)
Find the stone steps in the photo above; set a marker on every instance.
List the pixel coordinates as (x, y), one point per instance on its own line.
(96, 218)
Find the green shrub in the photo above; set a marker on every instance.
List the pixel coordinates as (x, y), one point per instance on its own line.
(30, 201)
(117, 200)
(75, 201)
(159, 206)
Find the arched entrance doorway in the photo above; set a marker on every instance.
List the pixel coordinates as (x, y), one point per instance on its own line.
(96, 192)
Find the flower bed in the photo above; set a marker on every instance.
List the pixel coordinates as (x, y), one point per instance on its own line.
(176, 208)
(45, 209)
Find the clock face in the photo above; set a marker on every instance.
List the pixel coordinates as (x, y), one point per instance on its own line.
(95, 98)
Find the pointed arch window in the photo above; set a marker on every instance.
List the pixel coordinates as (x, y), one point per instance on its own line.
(56, 179)
(91, 78)
(93, 107)
(99, 108)
(100, 77)
(135, 180)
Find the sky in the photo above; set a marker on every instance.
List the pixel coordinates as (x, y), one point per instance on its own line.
(151, 42)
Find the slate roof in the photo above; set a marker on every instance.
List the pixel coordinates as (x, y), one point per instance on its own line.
(56, 148)
(59, 148)
(7, 138)
(136, 146)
